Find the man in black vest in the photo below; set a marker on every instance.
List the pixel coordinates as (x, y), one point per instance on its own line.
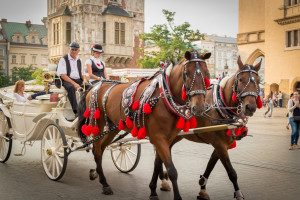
(70, 70)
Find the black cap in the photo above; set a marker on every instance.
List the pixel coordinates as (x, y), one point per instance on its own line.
(74, 45)
(97, 48)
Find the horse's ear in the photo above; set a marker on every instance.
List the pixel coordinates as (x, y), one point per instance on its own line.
(257, 66)
(207, 55)
(188, 55)
(240, 63)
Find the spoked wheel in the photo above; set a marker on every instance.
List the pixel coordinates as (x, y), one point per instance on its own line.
(5, 139)
(126, 156)
(54, 152)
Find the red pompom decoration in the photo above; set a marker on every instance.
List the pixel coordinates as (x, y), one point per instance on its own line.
(207, 82)
(180, 123)
(135, 105)
(88, 130)
(86, 113)
(129, 123)
(259, 103)
(95, 131)
(83, 129)
(142, 133)
(243, 129)
(97, 114)
(186, 127)
(193, 122)
(234, 98)
(134, 132)
(121, 125)
(238, 132)
(228, 132)
(183, 93)
(233, 145)
(147, 108)
(217, 78)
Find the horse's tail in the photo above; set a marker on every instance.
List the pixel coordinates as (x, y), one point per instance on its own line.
(81, 119)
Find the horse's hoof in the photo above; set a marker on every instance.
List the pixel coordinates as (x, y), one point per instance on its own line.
(107, 191)
(240, 198)
(153, 198)
(203, 195)
(93, 174)
(165, 187)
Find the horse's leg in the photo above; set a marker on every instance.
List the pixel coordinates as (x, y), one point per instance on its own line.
(163, 175)
(162, 148)
(203, 195)
(99, 148)
(224, 157)
(153, 184)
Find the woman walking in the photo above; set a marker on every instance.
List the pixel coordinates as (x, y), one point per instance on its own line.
(270, 105)
(294, 118)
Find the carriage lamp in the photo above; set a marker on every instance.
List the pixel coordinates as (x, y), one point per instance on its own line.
(226, 69)
(47, 78)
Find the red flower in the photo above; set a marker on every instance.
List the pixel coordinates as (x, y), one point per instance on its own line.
(98, 64)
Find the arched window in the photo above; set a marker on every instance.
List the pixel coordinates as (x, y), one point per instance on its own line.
(33, 39)
(18, 38)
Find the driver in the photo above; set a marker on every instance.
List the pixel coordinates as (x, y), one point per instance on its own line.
(70, 69)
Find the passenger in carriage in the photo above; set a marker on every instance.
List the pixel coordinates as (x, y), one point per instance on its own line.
(70, 69)
(22, 96)
(95, 65)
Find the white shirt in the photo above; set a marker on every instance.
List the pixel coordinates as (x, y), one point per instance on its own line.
(19, 98)
(99, 63)
(280, 96)
(62, 67)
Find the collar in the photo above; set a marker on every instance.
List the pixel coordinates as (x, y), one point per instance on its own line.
(70, 58)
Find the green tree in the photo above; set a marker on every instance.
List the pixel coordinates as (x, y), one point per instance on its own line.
(38, 76)
(23, 73)
(173, 41)
(5, 80)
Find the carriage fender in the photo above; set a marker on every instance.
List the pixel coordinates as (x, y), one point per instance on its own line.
(41, 125)
(5, 110)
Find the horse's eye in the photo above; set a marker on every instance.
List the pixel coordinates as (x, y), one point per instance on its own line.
(240, 80)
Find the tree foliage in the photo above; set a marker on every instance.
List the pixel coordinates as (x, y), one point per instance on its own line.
(172, 41)
(18, 73)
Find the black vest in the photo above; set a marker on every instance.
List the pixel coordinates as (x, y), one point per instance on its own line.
(69, 66)
(96, 71)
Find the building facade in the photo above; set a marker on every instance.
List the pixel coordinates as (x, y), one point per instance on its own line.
(270, 29)
(115, 24)
(224, 54)
(22, 44)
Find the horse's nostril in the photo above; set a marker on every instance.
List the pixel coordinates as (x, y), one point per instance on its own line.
(195, 109)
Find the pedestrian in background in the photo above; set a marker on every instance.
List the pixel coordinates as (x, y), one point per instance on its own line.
(270, 104)
(288, 114)
(280, 99)
(294, 119)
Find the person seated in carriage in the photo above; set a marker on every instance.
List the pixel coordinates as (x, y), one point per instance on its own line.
(70, 69)
(95, 65)
(22, 96)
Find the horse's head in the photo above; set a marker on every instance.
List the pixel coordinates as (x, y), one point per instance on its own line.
(246, 86)
(196, 80)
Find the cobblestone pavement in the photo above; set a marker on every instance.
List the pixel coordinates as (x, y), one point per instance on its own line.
(266, 170)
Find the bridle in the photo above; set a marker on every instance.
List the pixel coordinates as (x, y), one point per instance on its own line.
(241, 94)
(198, 72)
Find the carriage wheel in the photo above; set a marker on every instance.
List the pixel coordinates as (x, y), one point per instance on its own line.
(54, 152)
(126, 157)
(5, 139)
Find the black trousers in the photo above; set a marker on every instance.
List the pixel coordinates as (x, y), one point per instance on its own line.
(72, 92)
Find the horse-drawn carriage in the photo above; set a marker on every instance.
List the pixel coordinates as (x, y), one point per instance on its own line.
(52, 123)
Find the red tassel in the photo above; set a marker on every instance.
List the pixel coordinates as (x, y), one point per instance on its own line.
(134, 132)
(142, 133)
(238, 132)
(83, 129)
(88, 130)
(86, 113)
(129, 123)
(180, 123)
(97, 114)
(183, 93)
(95, 131)
(147, 108)
(259, 103)
(228, 132)
(135, 105)
(234, 98)
(121, 125)
(186, 126)
(207, 82)
(233, 145)
(243, 129)
(193, 122)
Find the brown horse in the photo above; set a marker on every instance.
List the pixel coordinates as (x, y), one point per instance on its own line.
(245, 85)
(191, 72)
